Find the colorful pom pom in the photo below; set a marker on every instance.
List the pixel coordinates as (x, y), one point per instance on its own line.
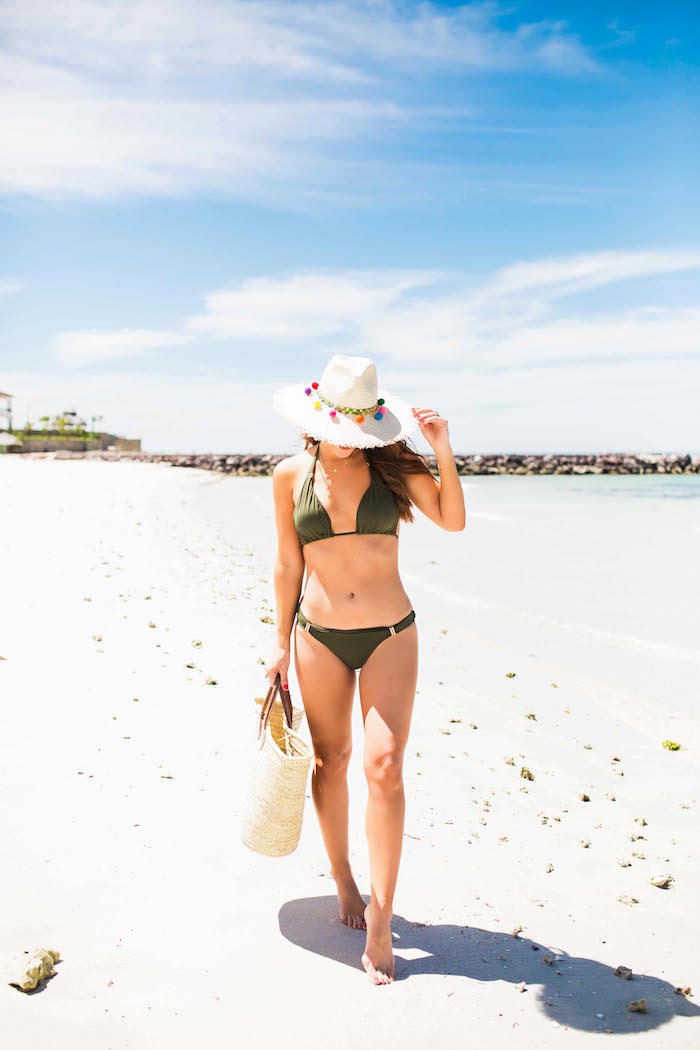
(317, 404)
(382, 410)
(307, 390)
(380, 401)
(332, 412)
(315, 386)
(360, 418)
(378, 415)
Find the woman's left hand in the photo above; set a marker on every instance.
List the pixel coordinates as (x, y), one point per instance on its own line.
(433, 427)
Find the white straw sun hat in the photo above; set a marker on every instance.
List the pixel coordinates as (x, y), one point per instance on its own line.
(346, 407)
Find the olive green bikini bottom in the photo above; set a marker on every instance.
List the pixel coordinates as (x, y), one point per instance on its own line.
(355, 645)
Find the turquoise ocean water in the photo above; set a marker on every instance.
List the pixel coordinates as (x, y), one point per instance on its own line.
(598, 573)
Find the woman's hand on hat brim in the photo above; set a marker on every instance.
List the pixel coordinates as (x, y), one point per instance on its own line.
(433, 426)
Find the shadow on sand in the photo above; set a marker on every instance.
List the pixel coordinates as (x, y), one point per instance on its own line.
(573, 996)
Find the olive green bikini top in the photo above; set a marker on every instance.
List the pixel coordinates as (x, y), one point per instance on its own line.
(377, 512)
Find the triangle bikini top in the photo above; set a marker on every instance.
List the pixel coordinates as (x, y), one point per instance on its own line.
(377, 512)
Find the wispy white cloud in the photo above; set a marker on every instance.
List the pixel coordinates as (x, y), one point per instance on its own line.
(513, 316)
(621, 36)
(466, 37)
(79, 143)
(174, 41)
(94, 345)
(566, 275)
(659, 333)
(166, 97)
(170, 40)
(304, 306)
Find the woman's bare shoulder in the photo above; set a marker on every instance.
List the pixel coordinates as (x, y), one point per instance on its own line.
(289, 466)
(288, 475)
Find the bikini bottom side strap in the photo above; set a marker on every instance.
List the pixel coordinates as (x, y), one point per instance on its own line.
(405, 622)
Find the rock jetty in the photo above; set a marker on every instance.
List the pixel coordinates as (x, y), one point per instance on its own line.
(256, 465)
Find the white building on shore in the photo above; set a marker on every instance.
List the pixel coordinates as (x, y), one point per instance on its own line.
(5, 411)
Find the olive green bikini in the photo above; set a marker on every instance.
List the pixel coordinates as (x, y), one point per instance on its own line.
(354, 646)
(376, 514)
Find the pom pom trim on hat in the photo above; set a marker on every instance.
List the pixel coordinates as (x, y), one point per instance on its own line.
(293, 405)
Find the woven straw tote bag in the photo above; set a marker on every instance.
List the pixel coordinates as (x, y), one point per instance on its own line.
(274, 805)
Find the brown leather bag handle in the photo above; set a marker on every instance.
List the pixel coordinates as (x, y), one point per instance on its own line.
(267, 707)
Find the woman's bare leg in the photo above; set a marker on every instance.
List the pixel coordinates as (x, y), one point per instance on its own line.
(387, 691)
(328, 688)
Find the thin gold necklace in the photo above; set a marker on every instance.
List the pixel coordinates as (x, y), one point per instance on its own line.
(334, 470)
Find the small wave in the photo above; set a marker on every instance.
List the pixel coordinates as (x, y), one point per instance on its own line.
(665, 650)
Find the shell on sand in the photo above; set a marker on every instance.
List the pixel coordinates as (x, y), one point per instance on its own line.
(33, 966)
(638, 1006)
(662, 881)
(624, 972)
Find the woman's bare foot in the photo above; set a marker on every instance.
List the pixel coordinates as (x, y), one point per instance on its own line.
(378, 956)
(351, 906)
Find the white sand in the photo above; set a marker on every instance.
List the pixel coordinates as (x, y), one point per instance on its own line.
(172, 933)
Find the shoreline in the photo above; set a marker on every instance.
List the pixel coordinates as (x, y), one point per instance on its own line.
(262, 464)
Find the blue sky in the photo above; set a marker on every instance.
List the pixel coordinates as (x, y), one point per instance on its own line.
(200, 202)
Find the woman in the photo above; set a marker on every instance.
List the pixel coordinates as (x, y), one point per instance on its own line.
(337, 511)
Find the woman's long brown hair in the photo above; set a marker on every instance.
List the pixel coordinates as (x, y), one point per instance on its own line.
(392, 463)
